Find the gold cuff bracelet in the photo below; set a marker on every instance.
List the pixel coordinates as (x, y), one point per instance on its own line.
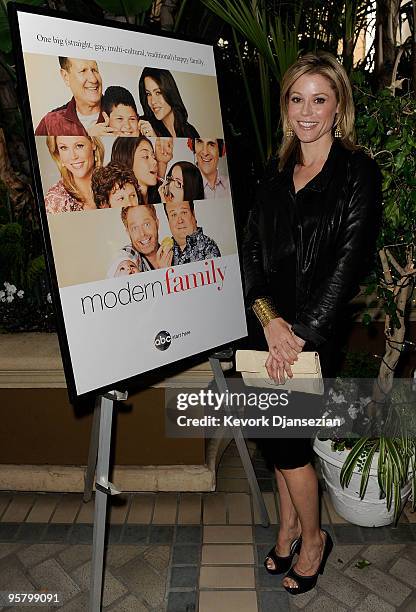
(265, 310)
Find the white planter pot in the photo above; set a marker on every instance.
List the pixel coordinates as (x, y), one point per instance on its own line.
(371, 511)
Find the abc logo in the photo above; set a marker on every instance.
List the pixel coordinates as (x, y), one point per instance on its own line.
(163, 340)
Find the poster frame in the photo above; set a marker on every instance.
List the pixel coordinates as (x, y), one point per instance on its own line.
(158, 373)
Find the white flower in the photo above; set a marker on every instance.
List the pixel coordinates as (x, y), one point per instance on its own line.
(49, 298)
(337, 398)
(364, 401)
(20, 293)
(2, 295)
(353, 411)
(9, 298)
(389, 132)
(10, 288)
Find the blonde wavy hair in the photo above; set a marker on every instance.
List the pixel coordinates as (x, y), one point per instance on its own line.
(327, 65)
(67, 177)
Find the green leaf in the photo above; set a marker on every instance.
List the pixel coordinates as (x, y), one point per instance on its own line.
(128, 8)
(351, 462)
(413, 471)
(362, 563)
(400, 159)
(381, 461)
(388, 482)
(366, 470)
(366, 319)
(397, 501)
(393, 143)
(35, 269)
(396, 458)
(371, 287)
(371, 125)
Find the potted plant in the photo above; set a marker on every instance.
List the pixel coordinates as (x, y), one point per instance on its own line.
(369, 479)
(369, 474)
(370, 482)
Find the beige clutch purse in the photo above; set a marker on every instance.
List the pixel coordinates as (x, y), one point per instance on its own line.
(307, 375)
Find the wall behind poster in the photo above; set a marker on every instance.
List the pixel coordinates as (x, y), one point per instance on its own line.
(112, 318)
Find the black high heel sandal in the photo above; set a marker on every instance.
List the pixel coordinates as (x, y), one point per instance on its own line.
(307, 583)
(282, 564)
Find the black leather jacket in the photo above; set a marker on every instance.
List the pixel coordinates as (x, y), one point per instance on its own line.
(330, 226)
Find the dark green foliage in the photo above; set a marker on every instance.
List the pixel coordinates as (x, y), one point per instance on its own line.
(386, 128)
(5, 38)
(125, 7)
(359, 364)
(12, 253)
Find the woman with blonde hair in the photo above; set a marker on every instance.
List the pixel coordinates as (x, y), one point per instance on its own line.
(308, 243)
(76, 158)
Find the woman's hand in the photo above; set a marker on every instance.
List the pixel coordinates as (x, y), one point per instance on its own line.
(101, 129)
(145, 128)
(277, 368)
(281, 340)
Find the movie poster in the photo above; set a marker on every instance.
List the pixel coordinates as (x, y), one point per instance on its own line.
(134, 175)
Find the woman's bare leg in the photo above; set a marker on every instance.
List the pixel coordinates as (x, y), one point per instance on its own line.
(302, 487)
(289, 527)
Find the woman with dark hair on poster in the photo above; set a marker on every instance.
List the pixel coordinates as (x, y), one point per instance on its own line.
(137, 154)
(76, 158)
(164, 111)
(308, 243)
(183, 183)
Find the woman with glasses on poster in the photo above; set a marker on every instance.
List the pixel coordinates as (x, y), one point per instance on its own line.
(76, 158)
(183, 183)
(164, 111)
(308, 242)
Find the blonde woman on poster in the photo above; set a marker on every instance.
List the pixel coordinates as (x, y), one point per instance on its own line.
(76, 158)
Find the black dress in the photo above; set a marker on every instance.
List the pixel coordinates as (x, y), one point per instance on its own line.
(306, 220)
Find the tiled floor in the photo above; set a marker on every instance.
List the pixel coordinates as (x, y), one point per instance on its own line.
(194, 552)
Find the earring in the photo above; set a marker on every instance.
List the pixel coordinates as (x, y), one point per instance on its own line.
(289, 132)
(338, 132)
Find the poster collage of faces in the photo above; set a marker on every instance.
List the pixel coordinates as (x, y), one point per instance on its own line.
(133, 166)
